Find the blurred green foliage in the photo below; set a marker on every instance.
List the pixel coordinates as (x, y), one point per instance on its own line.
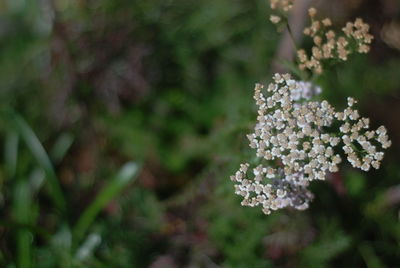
(87, 86)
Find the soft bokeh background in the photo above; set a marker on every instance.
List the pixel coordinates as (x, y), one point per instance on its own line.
(121, 122)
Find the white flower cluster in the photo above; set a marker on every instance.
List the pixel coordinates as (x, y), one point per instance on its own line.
(305, 91)
(291, 138)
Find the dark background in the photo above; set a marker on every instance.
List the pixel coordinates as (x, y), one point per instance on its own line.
(91, 90)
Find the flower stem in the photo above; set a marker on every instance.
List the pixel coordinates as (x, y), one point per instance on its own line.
(289, 29)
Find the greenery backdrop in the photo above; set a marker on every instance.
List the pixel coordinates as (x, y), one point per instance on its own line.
(121, 122)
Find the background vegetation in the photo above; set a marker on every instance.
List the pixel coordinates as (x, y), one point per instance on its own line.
(121, 121)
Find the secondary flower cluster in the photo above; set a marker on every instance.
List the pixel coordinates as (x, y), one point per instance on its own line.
(329, 44)
(282, 7)
(292, 142)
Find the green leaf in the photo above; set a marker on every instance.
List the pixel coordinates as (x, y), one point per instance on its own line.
(369, 256)
(61, 147)
(293, 68)
(11, 153)
(21, 211)
(61, 244)
(355, 183)
(88, 247)
(126, 174)
(36, 148)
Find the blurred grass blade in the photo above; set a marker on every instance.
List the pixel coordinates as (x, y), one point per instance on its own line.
(32, 228)
(63, 238)
(61, 147)
(11, 153)
(61, 245)
(126, 174)
(88, 247)
(41, 157)
(36, 180)
(21, 211)
(24, 248)
(369, 256)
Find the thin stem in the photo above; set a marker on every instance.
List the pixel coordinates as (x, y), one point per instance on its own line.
(289, 29)
(290, 32)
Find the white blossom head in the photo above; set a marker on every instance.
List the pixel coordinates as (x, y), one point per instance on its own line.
(294, 147)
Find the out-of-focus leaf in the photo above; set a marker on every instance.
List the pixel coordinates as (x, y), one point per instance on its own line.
(36, 148)
(355, 183)
(36, 180)
(63, 238)
(21, 211)
(87, 248)
(11, 153)
(126, 174)
(61, 243)
(330, 244)
(32, 228)
(61, 147)
(370, 257)
(292, 67)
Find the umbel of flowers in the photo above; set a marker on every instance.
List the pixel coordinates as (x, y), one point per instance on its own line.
(294, 147)
(298, 139)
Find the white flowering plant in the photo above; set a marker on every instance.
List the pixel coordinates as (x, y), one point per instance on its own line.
(299, 138)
